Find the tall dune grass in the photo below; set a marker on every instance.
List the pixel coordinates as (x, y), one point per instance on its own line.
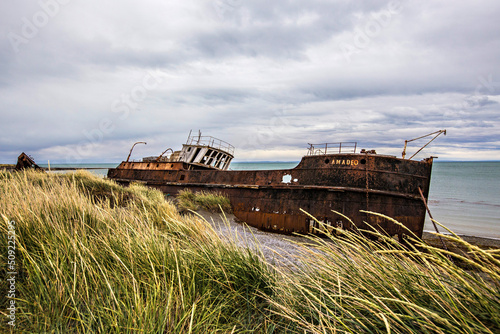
(352, 284)
(94, 257)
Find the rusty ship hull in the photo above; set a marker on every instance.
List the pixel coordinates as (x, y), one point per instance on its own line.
(273, 200)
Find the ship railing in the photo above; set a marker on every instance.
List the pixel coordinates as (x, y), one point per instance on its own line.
(332, 148)
(211, 142)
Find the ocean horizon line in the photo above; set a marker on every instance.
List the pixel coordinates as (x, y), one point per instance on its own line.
(45, 164)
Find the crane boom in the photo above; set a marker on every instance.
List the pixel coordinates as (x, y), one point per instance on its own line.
(436, 133)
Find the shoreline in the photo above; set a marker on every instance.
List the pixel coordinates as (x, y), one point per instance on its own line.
(481, 242)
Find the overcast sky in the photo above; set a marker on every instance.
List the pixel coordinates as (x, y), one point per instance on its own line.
(81, 81)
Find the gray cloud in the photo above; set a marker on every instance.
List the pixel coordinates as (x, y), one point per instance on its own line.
(86, 79)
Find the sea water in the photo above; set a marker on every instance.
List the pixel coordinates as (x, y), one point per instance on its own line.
(464, 196)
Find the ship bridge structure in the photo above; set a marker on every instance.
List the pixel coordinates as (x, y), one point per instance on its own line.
(206, 151)
(200, 152)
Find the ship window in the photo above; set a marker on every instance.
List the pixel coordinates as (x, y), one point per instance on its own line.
(183, 177)
(171, 165)
(157, 165)
(363, 161)
(327, 161)
(221, 161)
(147, 165)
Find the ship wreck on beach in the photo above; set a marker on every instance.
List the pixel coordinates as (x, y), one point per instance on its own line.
(330, 178)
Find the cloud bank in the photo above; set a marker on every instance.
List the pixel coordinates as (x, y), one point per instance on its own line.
(81, 81)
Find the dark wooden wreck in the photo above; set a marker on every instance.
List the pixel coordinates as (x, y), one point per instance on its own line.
(25, 161)
(331, 177)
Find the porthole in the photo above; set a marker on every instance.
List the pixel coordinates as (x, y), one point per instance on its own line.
(363, 161)
(327, 161)
(183, 177)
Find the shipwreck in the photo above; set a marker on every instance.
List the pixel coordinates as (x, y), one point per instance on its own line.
(330, 178)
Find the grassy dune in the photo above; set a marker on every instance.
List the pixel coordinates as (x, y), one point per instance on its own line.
(94, 257)
(97, 257)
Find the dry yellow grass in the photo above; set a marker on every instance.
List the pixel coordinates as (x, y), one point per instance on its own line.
(94, 257)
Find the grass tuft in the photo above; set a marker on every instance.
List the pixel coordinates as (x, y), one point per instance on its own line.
(210, 201)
